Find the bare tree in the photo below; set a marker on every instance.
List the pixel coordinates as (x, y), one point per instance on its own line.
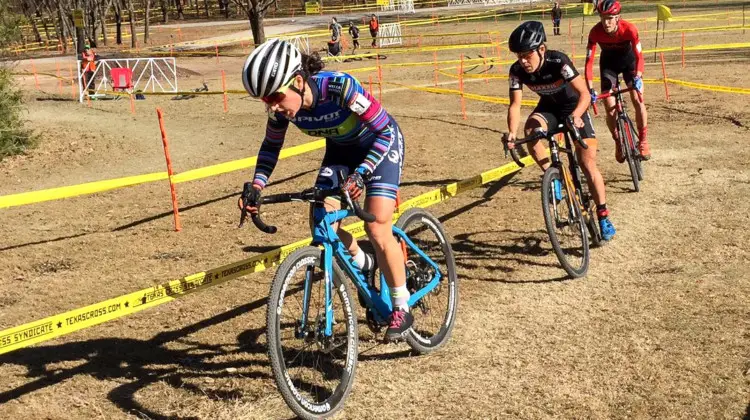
(147, 22)
(255, 11)
(131, 17)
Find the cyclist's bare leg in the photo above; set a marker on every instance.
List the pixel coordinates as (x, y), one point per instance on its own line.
(537, 149)
(389, 254)
(641, 116)
(332, 204)
(587, 158)
(610, 107)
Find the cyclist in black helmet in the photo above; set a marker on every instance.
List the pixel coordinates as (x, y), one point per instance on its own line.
(562, 93)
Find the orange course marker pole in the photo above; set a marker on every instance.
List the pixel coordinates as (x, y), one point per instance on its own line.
(570, 28)
(36, 78)
(664, 72)
(434, 59)
(371, 87)
(216, 46)
(72, 88)
(224, 88)
(683, 50)
(380, 85)
(59, 78)
(461, 86)
(132, 104)
(165, 143)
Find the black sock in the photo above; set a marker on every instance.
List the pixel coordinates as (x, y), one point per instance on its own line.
(601, 211)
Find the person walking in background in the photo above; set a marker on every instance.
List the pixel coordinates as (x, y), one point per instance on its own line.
(334, 45)
(374, 27)
(354, 32)
(88, 67)
(556, 17)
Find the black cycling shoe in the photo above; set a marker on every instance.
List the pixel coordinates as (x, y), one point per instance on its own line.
(398, 325)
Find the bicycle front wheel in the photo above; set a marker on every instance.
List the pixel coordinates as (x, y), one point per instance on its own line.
(434, 314)
(565, 224)
(313, 372)
(634, 142)
(631, 156)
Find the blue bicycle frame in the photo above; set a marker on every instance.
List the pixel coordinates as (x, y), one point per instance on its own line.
(378, 301)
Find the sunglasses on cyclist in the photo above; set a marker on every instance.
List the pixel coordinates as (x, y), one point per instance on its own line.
(280, 94)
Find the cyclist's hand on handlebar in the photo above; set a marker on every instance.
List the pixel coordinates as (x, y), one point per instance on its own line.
(354, 185)
(250, 199)
(594, 95)
(509, 140)
(577, 121)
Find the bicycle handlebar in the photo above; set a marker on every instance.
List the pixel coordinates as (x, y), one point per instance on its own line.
(614, 91)
(539, 134)
(312, 195)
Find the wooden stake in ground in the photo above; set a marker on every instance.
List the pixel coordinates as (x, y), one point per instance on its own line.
(216, 46)
(664, 73)
(132, 103)
(165, 144)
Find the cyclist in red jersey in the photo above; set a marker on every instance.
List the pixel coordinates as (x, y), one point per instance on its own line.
(621, 54)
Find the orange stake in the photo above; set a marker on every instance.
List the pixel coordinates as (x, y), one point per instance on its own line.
(664, 72)
(371, 87)
(132, 104)
(570, 28)
(224, 87)
(165, 143)
(380, 85)
(36, 78)
(461, 86)
(72, 87)
(217, 53)
(434, 59)
(683, 50)
(59, 78)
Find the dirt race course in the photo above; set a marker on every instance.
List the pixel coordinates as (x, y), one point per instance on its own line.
(660, 327)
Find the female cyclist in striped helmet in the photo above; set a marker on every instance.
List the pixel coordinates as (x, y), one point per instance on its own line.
(361, 139)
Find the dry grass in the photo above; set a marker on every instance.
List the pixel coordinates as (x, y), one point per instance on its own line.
(659, 328)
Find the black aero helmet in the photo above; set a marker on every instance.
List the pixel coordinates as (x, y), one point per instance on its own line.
(528, 36)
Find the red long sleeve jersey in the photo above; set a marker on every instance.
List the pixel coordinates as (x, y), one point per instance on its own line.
(623, 42)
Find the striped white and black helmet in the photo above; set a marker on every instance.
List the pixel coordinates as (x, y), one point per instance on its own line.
(270, 66)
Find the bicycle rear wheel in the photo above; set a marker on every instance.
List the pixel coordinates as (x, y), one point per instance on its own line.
(434, 314)
(314, 373)
(565, 225)
(624, 126)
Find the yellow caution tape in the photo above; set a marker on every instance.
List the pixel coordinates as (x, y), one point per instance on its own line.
(31, 197)
(77, 319)
(715, 88)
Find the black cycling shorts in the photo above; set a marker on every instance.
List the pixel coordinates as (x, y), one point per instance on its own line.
(554, 118)
(612, 65)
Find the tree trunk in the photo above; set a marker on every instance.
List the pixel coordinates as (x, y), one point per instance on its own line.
(180, 14)
(205, 5)
(118, 23)
(30, 17)
(92, 27)
(102, 9)
(60, 28)
(164, 14)
(147, 23)
(131, 17)
(256, 24)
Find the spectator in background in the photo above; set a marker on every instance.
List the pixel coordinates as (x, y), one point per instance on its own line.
(374, 27)
(354, 32)
(88, 67)
(556, 17)
(334, 45)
